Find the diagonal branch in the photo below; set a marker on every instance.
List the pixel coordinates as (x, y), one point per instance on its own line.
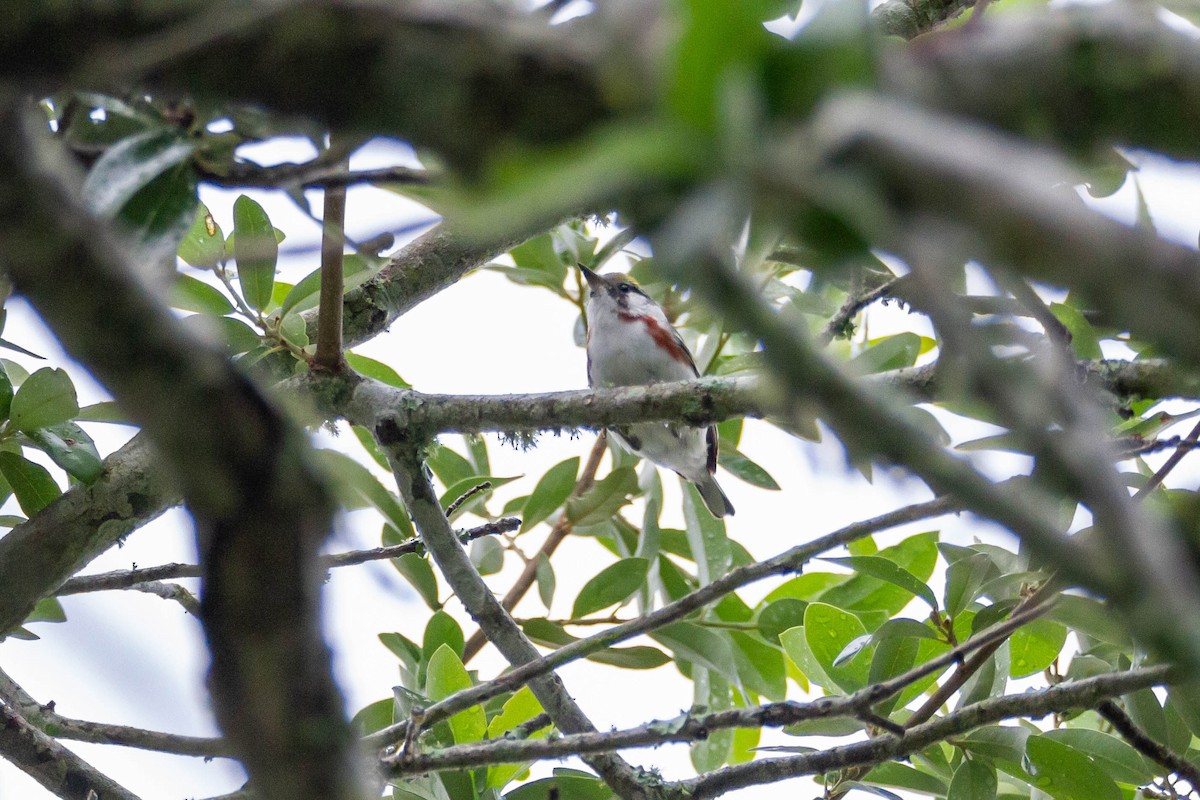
(403, 451)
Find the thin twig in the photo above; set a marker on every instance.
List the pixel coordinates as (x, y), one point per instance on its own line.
(1147, 746)
(329, 311)
(1158, 477)
(125, 579)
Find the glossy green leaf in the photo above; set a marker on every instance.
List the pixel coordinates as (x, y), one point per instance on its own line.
(377, 370)
(885, 570)
(256, 251)
(191, 294)
(828, 630)
(46, 398)
(973, 780)
(30, 482)
(893, 656)
(778, 616)
(1035, 646)
(519, 708)
(711, 691)
(446, 675)
(566, 783)
(203, 246)
(158, 216)
(552, 491)
(760, 666)
(706, 536)
(1064, 773)
(1005, 743)
(917, 554)
(420, 575)
(612, 585)
(70, 447)
(795, 645)
(634, 657)
(742, 467)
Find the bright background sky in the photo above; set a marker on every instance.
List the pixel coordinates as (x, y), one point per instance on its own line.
(132, 658)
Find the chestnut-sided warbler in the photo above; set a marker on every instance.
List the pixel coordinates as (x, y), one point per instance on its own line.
(631, 342)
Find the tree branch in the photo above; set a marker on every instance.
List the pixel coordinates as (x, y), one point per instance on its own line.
(789, 561)
(260, 507)
(403, 451)
(1145, 744)
(329, 311)
(47, 719)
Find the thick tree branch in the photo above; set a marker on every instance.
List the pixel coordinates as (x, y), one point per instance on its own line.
(38, 555)
(403, 449)
(53, 766)
(260, 507)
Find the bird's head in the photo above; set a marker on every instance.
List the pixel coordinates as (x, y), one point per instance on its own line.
(615, 292)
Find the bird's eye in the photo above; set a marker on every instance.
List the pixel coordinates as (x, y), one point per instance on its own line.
(626, 288)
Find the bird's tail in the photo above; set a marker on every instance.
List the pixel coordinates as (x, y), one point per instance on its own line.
(710, 492)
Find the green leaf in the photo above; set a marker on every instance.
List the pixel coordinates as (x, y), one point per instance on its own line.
(457, 490)
(611, 586)
(886, 570)
(828, 630)
(106, 411)
(917, 554)
(567, 784)
(1118, 760)
(519, 708)
(552, 491)
(46, 398)
(449, 467)
(307, 291)
(487, 555)
(699, 645)
(964, 578)
(903, 776)
(203, 246)
(30, 482)
(373, 717)
(635, 657)
(1064, 773)
(355, 482)
(712, 692)
(195, 295)
(442, 630)
(894, 656)
(545, 580)
(377, 370)
(130, 165)
(69, 446)
(158, 216)
(446, 675)
(719, 39)
(706, 536)
(888, 353)
(1035, 646)
(6, 394)
(48, 609)
(760, 666)
(776, 617)
(601, 501)
(419, 574)
(1084, 339)
(740, 466)
(973, 780)
(256, 251)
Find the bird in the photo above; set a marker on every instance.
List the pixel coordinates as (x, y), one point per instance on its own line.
(630, 342)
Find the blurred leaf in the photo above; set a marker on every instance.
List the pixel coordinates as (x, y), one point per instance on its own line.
(1084, 339)
(545, 580)
(69, 446)
(567, 784)
(691, 642)
(552, 491)
(356, 482)
(449, 467)
(370, 446)
(46, 398)
(718, 38)
(6, 394)
(256, 251)
(964, 577)
(888, 353)
(419, 574)
(446, 676)
(130, 165)
(30, 482)
(706, 536)
(458, 490)
(612, 585)
(373, 717)
(306, 293)
(48, 609)
(203, 246)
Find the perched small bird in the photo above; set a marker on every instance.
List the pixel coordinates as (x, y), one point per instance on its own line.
(630, 342)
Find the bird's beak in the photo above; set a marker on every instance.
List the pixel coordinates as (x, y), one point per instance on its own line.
(593, 279)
